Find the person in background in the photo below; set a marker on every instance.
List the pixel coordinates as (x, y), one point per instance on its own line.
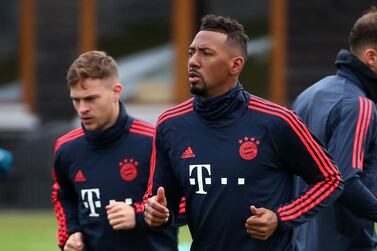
(341, 111)
(6, 160)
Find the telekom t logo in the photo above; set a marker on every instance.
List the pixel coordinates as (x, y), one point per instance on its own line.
(90, 197)
(199, 172)
(205, 170)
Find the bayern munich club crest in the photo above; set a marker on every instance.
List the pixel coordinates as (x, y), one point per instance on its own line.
(248, 148)
(128, 170)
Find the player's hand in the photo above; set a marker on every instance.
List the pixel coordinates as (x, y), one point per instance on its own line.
(156, 212)
(262, 224)
(75, 242)
(121, 215)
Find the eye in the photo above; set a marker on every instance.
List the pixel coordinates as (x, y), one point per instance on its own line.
(207, 53)
(90, 99)
(191, 52)
(75, 100)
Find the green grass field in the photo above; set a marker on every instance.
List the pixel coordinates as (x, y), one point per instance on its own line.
(35, 231)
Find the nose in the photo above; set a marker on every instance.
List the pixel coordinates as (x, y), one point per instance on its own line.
(83, 108)
(194, 61)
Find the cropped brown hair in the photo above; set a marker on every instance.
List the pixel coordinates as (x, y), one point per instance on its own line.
(229, 26)
(92, 64)
(364, 31)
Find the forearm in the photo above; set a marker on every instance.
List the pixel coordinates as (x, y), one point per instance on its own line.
(139, 216)
(316, 196)
(65, 215)
(357, 197)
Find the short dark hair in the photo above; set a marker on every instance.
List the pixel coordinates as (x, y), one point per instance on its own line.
(364, 31)
(92, 64)
(229, 26)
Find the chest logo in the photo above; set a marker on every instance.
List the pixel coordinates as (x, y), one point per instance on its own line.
(188, 153)
(200, 176)
(248, 148)
(91, 200)
(128, 169)
(80, 177)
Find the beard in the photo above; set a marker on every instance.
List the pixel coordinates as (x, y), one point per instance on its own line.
(198, 91)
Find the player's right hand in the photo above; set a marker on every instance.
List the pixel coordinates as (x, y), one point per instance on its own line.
(75, 242)
(262, 224)
(156, 212)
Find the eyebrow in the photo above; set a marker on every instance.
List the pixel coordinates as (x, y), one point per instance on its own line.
(200, 48)
(85, 97)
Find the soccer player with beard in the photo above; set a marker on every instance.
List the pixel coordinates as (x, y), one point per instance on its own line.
(233, 156)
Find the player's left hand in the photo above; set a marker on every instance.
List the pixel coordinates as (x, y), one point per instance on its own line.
(121, 215)
(156, 212)
(262, 224)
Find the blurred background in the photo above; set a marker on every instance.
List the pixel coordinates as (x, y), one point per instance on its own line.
(293, 43)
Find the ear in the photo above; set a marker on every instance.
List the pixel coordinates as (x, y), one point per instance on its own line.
(117, 88)
(369, 57)
(237, 64)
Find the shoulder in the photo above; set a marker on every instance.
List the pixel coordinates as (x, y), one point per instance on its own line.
(359, 111)
(142, 128)
(270, 109)
(176, 112)
(68, 138)
(331, 85)
(277, 118)
(357, 105)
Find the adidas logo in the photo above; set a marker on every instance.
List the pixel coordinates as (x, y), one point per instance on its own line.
(188, 153)
(79, 177)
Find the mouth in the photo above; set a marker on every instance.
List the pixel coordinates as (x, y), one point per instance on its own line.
(194, 76)
(86, 120)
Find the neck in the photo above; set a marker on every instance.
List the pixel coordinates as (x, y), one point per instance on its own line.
(113, 132)
(221, 91)
(114, 118)
(222, 110)
(353, 67)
